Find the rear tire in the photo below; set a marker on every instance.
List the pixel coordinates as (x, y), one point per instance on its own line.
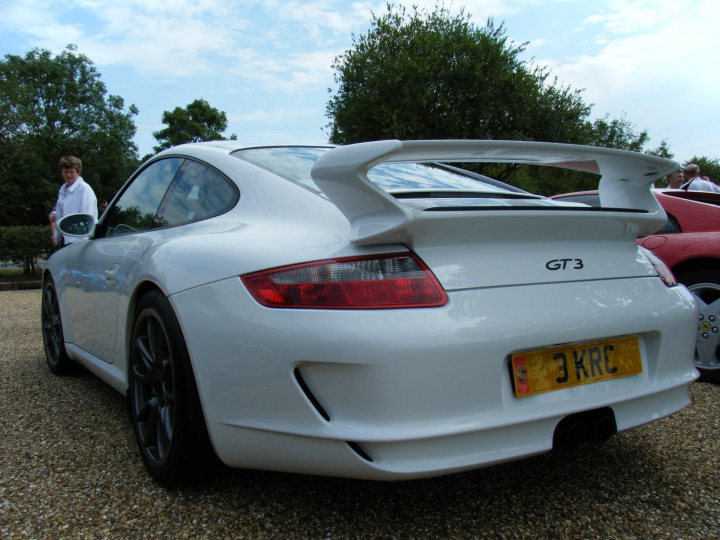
(163, 399)
(52, 332)
(704, 284)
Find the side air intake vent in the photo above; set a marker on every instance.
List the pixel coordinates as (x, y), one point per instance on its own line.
(359, 451)
(310, 396)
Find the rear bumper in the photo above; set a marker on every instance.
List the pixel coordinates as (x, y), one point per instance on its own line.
(394, 394)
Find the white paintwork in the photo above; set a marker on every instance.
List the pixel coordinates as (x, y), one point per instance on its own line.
(626, 177)
(423, 391)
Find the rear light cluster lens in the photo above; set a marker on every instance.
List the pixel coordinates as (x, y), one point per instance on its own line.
(375, 282)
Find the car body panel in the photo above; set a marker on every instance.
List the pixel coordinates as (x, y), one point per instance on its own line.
(384, 385)
(696, 213)
(676, 249)
(390, 393)
(376, 217)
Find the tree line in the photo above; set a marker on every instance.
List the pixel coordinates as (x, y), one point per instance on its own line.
(51, 106)
(422, 75)
(413, 75)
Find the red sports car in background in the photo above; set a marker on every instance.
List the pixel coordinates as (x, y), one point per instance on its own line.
(690, 245)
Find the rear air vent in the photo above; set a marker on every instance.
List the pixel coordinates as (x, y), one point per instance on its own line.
(310, 396)
(359, 451)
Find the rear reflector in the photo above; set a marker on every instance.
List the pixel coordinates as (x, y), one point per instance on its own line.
(375, 282)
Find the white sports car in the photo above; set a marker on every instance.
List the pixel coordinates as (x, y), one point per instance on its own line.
(369, 311)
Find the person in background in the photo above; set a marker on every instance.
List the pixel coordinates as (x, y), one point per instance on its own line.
(102, 205)
(675, 179)
(694, 182)
(75, 197)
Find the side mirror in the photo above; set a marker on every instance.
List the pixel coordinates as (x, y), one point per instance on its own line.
(77, 225)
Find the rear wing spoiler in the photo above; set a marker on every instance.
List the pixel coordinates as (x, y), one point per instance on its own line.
(626, 177)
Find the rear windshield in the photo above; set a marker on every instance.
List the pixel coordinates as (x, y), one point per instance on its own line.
(295, 162)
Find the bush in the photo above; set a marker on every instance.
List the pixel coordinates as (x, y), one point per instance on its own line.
(23, 246)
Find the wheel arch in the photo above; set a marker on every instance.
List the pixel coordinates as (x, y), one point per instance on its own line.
(704, 263)
(197, 442)
(140, 291)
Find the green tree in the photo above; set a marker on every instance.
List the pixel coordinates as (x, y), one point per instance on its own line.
(616, 133)
(24, 245)
(708, 167)
(417, 75)
(420, 75)
(51, 106)
(195, 123)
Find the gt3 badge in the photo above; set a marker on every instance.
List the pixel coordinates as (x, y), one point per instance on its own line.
(565, 264)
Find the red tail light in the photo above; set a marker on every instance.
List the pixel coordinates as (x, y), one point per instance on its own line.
(375, 282)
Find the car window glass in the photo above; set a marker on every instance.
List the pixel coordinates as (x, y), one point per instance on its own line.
(295, 163)
(198, 192)
(136, 209)
(422, 176)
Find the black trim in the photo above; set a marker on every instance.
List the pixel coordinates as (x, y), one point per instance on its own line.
(359, 451)
(536, 208)
(308, 394)
(461, 195)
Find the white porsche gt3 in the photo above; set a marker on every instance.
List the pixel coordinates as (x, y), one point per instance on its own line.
(369, 311)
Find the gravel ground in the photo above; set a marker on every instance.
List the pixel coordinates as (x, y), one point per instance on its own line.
(70, 469)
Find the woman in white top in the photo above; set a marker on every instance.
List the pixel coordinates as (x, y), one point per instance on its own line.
(75, 197)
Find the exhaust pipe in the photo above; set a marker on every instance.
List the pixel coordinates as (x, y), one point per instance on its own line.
(595, 426)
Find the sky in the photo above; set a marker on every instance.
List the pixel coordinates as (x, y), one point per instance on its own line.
(268, 63)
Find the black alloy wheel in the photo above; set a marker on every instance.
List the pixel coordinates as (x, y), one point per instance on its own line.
(153, 387)
(162, 396)
(52, 332)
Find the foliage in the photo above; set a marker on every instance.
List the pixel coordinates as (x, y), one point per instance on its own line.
(616, 133)
(195, 123)
(24, 245)
(420, 75)
(708, 167)
(52, 106)
(662, 151)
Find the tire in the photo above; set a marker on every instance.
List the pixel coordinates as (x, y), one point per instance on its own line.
(163, 399)
(704, 284)
(52, 332)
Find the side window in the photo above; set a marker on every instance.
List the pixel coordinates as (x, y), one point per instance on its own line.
(137, 208)
(198, 192)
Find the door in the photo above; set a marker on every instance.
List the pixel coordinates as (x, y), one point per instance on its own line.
(97, 277)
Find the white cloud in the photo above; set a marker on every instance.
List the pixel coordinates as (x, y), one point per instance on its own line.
(652, 59)
(630, 17)
(264, 117)
(657, 62)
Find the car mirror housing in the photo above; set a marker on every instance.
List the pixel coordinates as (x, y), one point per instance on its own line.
(77, 225)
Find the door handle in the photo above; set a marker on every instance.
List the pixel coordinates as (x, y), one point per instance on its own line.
(111, 274)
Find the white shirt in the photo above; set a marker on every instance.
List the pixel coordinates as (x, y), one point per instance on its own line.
(78, 198)
(698, 184)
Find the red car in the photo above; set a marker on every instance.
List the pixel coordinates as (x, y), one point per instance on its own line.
(689, 244)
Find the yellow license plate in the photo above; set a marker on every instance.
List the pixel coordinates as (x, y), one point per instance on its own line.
(574, 364)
